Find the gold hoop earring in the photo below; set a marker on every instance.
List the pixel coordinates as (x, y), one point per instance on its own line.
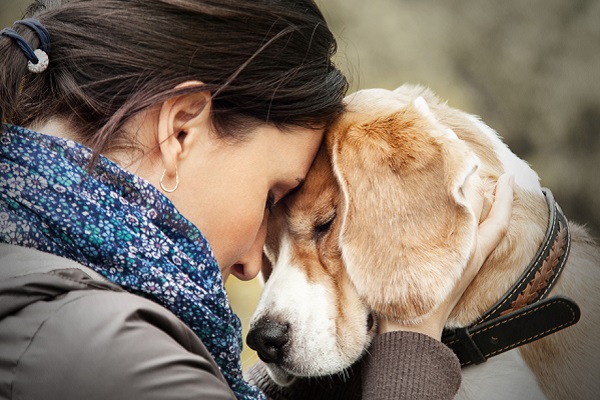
(162, 185)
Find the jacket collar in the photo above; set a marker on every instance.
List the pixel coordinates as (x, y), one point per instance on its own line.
(28, 275)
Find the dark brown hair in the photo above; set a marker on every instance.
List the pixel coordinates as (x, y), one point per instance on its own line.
(262, 60)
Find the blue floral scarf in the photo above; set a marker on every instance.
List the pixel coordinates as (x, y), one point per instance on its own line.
(123, 228)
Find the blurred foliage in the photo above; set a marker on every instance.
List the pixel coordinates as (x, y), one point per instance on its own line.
(244, 297)
(529, 69)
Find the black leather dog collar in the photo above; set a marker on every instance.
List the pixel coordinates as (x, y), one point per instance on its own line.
(523, 314)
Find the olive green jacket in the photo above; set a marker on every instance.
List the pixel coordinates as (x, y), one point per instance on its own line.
(65, 335)
(68, 334)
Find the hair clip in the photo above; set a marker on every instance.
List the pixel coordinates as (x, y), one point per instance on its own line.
(41, 64)
(38, 58)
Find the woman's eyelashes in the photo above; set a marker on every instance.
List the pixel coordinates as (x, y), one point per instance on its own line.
(270, 203)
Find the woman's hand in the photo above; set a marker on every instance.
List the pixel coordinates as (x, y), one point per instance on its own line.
(489, 234)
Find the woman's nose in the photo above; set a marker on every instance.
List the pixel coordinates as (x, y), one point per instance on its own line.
(251, 263)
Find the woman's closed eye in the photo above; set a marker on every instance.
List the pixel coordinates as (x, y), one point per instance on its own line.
(270, 203)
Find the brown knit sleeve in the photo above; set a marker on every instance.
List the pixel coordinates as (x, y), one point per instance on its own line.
(398, 365)
(409, 365)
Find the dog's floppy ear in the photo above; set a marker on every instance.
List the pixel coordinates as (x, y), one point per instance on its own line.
(407, 231)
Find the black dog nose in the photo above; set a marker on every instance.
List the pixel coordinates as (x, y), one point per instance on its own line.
(268, 339)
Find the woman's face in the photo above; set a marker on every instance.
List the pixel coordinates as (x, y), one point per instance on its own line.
(226, 189)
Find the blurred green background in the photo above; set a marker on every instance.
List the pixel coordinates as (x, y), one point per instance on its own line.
(530, 69)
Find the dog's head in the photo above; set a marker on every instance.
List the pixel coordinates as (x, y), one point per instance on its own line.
(406, 231)
(381, 228)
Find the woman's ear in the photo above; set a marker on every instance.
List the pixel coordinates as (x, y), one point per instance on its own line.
(181, 120)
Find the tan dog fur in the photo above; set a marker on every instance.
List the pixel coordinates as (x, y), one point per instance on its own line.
(381, 226)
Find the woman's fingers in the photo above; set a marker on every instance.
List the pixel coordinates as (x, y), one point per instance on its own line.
(473, 191)
(492, 229)
(489, 233)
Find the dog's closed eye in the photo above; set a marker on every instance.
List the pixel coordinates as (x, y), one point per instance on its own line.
(323, 226)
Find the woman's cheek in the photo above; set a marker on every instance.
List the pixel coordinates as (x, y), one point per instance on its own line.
(239, 237)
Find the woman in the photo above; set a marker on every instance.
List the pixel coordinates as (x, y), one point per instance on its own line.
(144, 143)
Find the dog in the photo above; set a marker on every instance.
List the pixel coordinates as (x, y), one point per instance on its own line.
(381, 228)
